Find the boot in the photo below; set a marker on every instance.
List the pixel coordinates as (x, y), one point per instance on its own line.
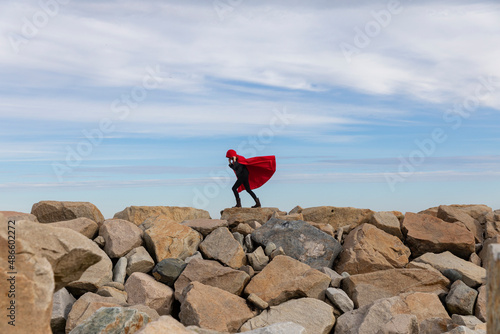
(257, 203)
(238, 203)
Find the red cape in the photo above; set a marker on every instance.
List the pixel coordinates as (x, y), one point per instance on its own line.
(260, 170)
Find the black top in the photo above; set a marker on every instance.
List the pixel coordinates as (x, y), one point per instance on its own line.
(239, 169)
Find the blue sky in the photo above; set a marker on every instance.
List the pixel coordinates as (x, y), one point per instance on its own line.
(387, 105)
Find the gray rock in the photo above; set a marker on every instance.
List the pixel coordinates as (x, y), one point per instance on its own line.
(480, 310)
(340, 299)
(468, 321)
(299, 240)
(221, 245)
(280, 328)
(120, 270)
(336, 278)
(62, 303)
(248, 243)
(270, 247)
(205, 226)
(258, 260)
(139, 260)
(240, 238)
(196, 255)
(249, 270)
(121, 236)
(167, 271)
(144, 289)
(113, 320)
(276, 252)
(452, 275)
(461, 299)
(257, 301)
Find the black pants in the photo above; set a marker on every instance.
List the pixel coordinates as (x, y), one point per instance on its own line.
(243, 180)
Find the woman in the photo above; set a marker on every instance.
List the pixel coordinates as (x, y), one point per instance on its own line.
(251, 174)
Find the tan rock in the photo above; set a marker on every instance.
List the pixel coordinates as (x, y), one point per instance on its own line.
(492, 225)
(138, 214)
(82, 225)
(285, 278)
(144, 289)
(213, 308)
(476, 211)
(222, 246)
(205, 226)
(298, 311)
(139, 260)
(290, 216)
(425, 305)
(243, 228)
(168, 239)
(493, 289)
(480, 309)
(55, 211)
(428, 234)
(120, 236)
(15, 215)
(387, 222)
(235, 216)
(337, 216)
(328, 229)
(363, 289)
(211, 273)
(107, 291)
(452, 214)
(483, 254)
(367, 249)
(435, 325)
(166, 324)
(30, 288)
(472, 275)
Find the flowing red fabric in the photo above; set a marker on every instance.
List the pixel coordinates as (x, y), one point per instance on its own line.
(260, 169)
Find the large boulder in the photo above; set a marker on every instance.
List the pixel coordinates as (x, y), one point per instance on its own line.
(300, 241)
(211, 273)
(138, 214)
(285, 278)
(337, 216)
(461, 299)
(235, 216)
(471, 274)
(55, 211)
(426, 233)
(387, 222)
(476, 211)
(222, 246)
(120, 237)
(319, 321)
(144, 289)
(168, 239)
(113, 320)
(363, 289)
(85, 226)
(213, 308)
(452, 214)
(368, 249)
(26, 285)
(62, 303)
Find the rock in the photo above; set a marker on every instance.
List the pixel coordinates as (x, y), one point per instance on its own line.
(428, 234)
(492, 225)
(387, 222)
(15, 215)
(220, 245)
(258, 259)
(480, 308)
(320, 321)
(211, 273)
(240, 238)
(424, 305)
(340, 299)
(138, 214)
(474, 258)
(107, 291)
(270, 247)
(390, 315)
(452, 275)
(300, 241)
(235, 216)
(116, 285)
(473, 210)
(435, 325)
(196, 255)
(248, 270)
(167, 271)
(99, 240)
(461, 299)
(32, 287)
(337, 217)
(62, 303)
(87, 305)
(296, 209)
(248, 244)
(336, 279)
(82, 225)
(472, 275)
(167, 239)
(120, 270)
(120, 237)
(213, 308)
(73, 257)
(144, 289)
(468, 321)
(453, 215)
(254, 224)
(54, 211)
(368, 249)
(243, 228)
(205, 226)
(139, 260)
(493, 288)
(285, 278)
(276, 252)
(289, 217)
(328, 229)
(280, 328)
(152, 314)
(463, 330)
(165, 325)
(483, 254)
(113, 320)
(257, 301)
(363, 289)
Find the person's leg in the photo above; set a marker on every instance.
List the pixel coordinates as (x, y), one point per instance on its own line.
(247, 188)
(236, 185)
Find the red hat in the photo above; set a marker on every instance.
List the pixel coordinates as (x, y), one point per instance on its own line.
(230, 154)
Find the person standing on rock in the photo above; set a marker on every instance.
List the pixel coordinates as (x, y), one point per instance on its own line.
(251, 173)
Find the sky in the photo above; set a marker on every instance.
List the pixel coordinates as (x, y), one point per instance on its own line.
(386, 105)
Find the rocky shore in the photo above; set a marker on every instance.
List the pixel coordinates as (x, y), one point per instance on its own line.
(67, 269)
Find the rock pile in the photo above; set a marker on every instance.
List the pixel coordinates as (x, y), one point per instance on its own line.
(309, 271)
